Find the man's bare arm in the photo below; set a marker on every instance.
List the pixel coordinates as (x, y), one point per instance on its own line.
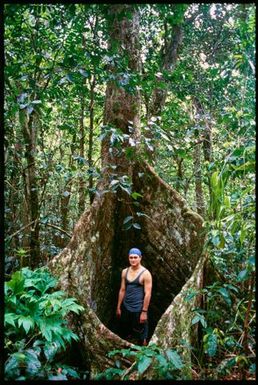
(147, 295)
(121, 294)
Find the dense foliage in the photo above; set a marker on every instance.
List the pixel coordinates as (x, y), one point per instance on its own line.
(36, 329)
(201, 142)
(165, 365)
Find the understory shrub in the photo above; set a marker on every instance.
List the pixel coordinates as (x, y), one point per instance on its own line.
(36, 327)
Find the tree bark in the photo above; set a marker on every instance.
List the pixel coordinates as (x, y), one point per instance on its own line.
(31, 185)
(199, 198)
(90, 149)
(170, 235)
(199, 118)
(159, 94)
(171, 53)
(65, 199)
(82, 139)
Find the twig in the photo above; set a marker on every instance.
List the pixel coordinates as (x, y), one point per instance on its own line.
(21, 229)
(56, 227)
(128, 370)
(11, 186)
(46, 224)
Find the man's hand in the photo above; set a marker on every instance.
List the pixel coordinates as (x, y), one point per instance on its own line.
(143, 317)
(118, 312)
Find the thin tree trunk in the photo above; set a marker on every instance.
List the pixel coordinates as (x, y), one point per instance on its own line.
(90, 148)
(82, 139)
(197, 163)
(14, 196)
(171, 53)
(207, 142)
(207, 149)
(159, 95)
(31, 187)
(200, 206)
(65, 198)
(179, 162)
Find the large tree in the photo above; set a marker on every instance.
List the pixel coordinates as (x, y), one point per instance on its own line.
(132, 207)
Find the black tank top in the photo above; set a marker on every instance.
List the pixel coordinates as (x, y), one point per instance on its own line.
(134, 294)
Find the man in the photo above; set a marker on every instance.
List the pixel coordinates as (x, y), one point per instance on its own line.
(134, 299)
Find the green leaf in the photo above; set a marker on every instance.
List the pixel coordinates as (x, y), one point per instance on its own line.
(45, 329)
(69, 304)
(199, 318)
(195, 319)
(70, 77)
(114, 182)
(161, 359)
(127, 219)
(128, 226)
(12, 364)
(137, 226)
(251, 261)
(143, 363)
(126, 189)
(190, 295)
(68, 335)
(84, 73)
(135, 195)
(26, 322)
(215, 179)
(181, 153)
(174, 357)
(140, 214)
(9, 318)
(17, 282)
(212, 344)
(248, 166)
(50, 350)
(70, 371)
(242, 236)
(33, 363)
(227, 202)
(216, 240)
(225, 295)
(243, 275)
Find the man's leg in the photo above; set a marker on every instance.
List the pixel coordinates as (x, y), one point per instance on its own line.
(144, 334)
(140, 330)
(125, 323)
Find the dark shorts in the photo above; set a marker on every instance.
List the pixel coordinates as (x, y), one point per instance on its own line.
(130, 327)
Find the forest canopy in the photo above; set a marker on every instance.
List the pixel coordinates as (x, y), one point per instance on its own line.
(183, 90)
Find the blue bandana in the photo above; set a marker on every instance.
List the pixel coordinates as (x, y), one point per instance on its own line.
(135, 251)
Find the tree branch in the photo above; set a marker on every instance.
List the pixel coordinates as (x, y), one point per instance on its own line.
(56, 227)
(21, 229)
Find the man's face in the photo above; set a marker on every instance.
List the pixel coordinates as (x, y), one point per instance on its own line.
(134, 259)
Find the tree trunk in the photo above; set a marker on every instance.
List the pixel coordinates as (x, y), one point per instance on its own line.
(170, 235)
(159, 94)
(200, 206)
(90, 149)
(207, 149)
(199, 118)
(12, 216)
(82, 139)
(65, 199)
(29, 134)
